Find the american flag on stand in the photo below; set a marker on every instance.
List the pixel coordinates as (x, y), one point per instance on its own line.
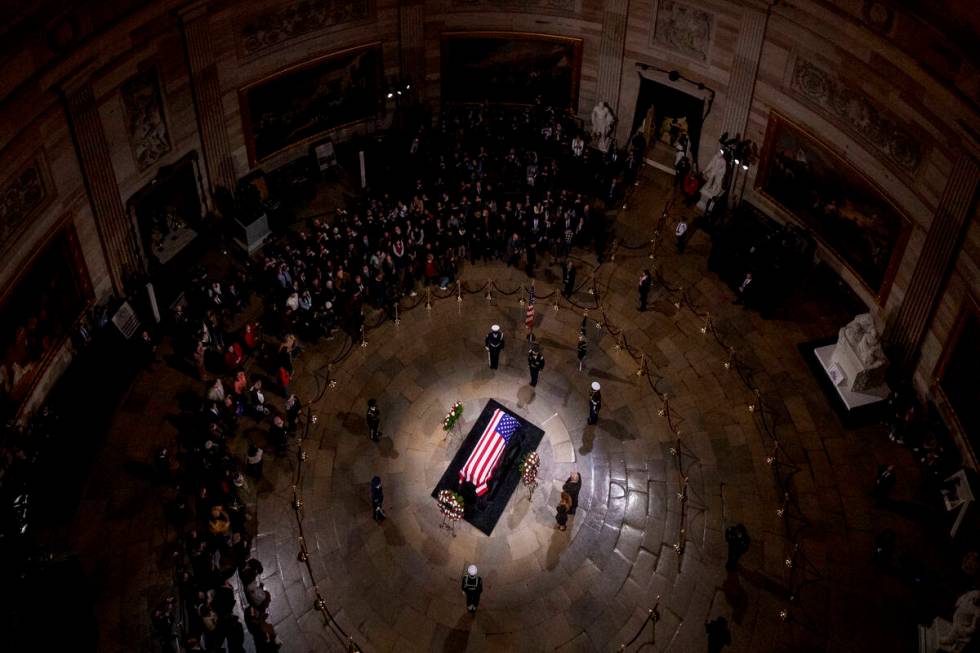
(483, 461)
(529, 319)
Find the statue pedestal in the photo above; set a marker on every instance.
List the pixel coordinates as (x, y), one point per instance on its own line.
(839, 378)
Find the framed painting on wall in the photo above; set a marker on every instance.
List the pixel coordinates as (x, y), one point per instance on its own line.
(511, 68)
(37, 313)
(305, 101)
(956, 374)
(844, 209)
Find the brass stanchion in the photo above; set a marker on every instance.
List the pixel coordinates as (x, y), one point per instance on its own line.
(332, 382)
(557, 295)
(397, 319)
(707, 324)
(364, 342)
(428, 299)
(489, 295)
(731, 359)
(643, 365)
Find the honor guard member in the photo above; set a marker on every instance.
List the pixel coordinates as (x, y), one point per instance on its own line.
(583, 349)
(377, 499)
(472, 588)
(374, 420)
(595, 403)
(494, 343)
(535, 363)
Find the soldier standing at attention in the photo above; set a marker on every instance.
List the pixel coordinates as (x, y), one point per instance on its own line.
(595, 403)
(535, 363)
(374, 420)
(583, 348)
(472, 587)
(494, 343)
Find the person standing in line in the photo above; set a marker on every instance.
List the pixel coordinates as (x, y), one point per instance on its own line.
(645, 282)
(582, 349)
(679, 232)
(472, 587)
(253, 462)
(568, 278)
(377, 499)
(535, 363)
(595, 403)
(561, 511)
(374, 420)
(494, 344)
(572, 486)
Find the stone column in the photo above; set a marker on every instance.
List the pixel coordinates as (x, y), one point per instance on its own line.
(745, 67)
(207, 96)
(119, 241)
(612, 44)
(411, 36)
(904, 333)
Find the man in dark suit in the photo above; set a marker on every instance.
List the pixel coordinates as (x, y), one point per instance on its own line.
(568, 278)
(645, 282)
(494, 344)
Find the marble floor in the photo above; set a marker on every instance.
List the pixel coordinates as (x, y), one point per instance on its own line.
(395, 586)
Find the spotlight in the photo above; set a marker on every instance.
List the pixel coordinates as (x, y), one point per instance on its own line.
(737, 162)
(745, 166)
(390, 95)
(399, 92)
(408, 87)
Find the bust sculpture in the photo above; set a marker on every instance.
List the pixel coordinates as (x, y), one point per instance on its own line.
(603, 121)
(859, 354)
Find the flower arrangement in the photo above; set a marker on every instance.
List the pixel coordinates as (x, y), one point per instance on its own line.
(529, 469)
(455, 412)
(450, 504)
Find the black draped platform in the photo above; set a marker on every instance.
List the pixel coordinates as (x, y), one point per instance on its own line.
(483, 512)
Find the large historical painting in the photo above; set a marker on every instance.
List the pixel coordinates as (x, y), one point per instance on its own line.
(845, 210)
(145, 125)
(511, 68)
(957, 373)
(37, 313)
(305, 101)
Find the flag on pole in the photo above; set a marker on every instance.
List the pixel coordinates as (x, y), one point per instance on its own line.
(529, 319)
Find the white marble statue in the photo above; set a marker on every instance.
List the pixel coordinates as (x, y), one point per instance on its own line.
(714, 178)
(956, 636)
(603, 122)
(859, 354)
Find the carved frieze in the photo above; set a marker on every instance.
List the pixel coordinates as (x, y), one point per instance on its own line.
(684, 29)
(22, 196)
(859, 115)
(145, 124)
(294, 20)
(562, 7)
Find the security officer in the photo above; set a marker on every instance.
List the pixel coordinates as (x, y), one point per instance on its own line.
(595, 403)
(374, 420)
(535, 363)
(645, 282)
(472, 586)
(494, 344)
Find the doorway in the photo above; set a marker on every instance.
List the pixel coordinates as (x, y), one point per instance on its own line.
(664, 113)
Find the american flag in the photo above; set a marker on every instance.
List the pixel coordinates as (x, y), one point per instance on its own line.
(483, 461)
(529, 319)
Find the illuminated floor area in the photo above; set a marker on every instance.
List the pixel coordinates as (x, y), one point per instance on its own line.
(395, 586)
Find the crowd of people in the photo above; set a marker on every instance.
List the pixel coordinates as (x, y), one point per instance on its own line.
(210, 476)
(485, 185)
